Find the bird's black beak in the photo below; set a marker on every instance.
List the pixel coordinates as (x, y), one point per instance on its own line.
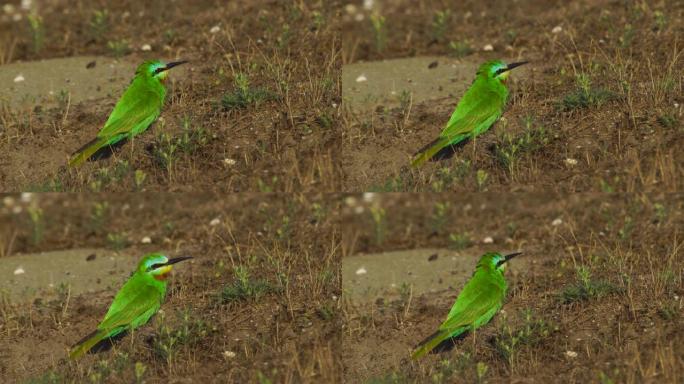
(515, 65)
(178, 259)
(173, 64)
(507, 257)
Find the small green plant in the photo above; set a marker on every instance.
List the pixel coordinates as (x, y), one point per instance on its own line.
(99, 24)
(459, 241)
(49, 377)
(440, 23)
(585, 95)
(667, 120)
(168, 341)
(265, 186)
(509, 340)
(139, 369)
(481, 177)
(460, 48)
(446, 176)
(481, 369)
(117, 241)
(379, 31)
(444, 372)
(119, 48)
(317, 19)
(660, 20)
(586, 288)
(379, 222)
(511, 148)
(439, 216)
(37, 31)
(98, 215)
(245, 95)
(139, 177)
(245, 288)
(37, 223)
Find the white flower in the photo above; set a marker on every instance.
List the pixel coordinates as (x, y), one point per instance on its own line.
(229, 354)
(571, 354)
(570, 162)
(361, 271)
(228, 161)
(361, 79)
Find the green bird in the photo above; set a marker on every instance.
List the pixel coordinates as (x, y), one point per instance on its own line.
(133, 306)
(135, 111)
(480, 299)
(480, 107)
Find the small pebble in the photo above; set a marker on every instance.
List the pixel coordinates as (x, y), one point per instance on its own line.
(229, 354)
(19, 271)
(570, 162)
(488, 240)
(359, 79)
(557, 29)
(146, 240)
(216, 221)
(557, 222)
(361, 271)
(488, 48)
(26, 197)
(215, 29)
(19, 78)
(571, 354)
(228, 161)
(146, 47)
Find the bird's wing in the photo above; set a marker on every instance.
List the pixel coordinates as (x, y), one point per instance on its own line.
(135, 111)
(134, 311)
(483, 113)
(478, 299)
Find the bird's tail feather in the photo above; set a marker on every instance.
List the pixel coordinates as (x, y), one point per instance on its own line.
(439, 149)
(440, 341)
(96, 149)
(97, 341)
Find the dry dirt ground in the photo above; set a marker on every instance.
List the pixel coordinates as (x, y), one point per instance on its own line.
(257, 110)
(599, 299)
(601, 110)
(259, 302)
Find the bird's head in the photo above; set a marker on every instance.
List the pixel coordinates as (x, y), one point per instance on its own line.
(495, 261)
(497, 69)
(157, 265)
(156, 69)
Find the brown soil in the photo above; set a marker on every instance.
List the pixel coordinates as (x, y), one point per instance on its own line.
(623, 139)
(285, 142)
(629, 332)
(288, 333)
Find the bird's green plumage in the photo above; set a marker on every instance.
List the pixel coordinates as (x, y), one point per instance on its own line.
(480, 299)
(135, 303)
(476, 112)
(136, 110)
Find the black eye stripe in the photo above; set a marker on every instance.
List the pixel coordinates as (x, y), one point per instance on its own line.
(500, 71)
(155, 266)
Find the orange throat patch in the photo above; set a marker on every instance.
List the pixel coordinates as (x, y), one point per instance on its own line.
(161, 276)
